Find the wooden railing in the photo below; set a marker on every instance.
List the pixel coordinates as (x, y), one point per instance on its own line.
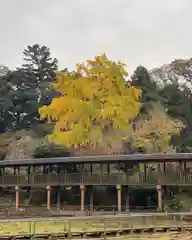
(173, 178)
(25, 210)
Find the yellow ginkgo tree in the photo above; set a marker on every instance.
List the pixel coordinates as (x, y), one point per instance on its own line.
(94, 102)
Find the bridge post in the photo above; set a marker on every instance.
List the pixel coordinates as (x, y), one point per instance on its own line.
(29, 174)
(2, 181)
(48, 197)
(82, 190)
(164, 168)
(127, 199)
(145, 171)
(118, 197)
(58, 198)
(17, 197)
(159, 197)
(91, 199)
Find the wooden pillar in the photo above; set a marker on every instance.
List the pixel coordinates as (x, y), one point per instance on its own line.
(75, 167)
(181, 175)
(101, 172)
(58, 198)
(33, 174)
(17, 197)
(159, 197)
(48, 197)
(82, 167)
(48, 179)
(185, 167)
(164, 168)
(27, 201)
(127, 207)
(108, 168)
(181, 168)
(91, 199)
(29, 174)
(159, 168)
(2, 181)
(145, 171)
(185, 171)
(118, 197)
(82, 193)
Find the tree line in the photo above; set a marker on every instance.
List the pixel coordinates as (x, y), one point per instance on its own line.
(95, 109)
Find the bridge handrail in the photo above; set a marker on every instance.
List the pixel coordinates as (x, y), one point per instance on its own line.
(94, 178)
(117, 216)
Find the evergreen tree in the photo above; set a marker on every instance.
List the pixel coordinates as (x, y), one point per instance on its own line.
(141, 78)
(40, 63)
(178, 102)
(24, 90)
(19, 99)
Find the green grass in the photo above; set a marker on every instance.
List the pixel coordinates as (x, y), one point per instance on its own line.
(160, 236)
(75, 226)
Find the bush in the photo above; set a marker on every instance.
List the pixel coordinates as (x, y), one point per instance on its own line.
(2, 155)
(49, 151)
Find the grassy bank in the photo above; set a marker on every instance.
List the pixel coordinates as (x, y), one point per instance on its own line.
(159, 236)
(81, 225)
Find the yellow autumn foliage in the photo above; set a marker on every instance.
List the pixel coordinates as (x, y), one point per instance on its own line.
(92, 104)
(154, 134)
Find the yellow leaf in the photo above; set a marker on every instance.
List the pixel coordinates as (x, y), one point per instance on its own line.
(92, 104)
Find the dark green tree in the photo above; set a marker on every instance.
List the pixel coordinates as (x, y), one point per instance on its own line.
(19, 99)
(178, 101)
(24, 90)
(39, 61)
(42, 65)
(142, 79)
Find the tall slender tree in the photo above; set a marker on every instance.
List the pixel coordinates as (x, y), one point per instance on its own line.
(39, 61)
(42, 65)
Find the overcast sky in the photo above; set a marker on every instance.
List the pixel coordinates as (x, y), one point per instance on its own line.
(147, 32)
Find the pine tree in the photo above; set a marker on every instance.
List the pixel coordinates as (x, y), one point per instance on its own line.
(24, 90)
(40, 63)
(94, 103)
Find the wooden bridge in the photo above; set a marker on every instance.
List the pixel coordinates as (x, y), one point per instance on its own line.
(121, 171)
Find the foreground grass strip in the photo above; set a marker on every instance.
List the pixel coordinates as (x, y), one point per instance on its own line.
(160, 236)
(77, 226)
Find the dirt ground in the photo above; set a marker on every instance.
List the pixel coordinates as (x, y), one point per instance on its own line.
(160, 236)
